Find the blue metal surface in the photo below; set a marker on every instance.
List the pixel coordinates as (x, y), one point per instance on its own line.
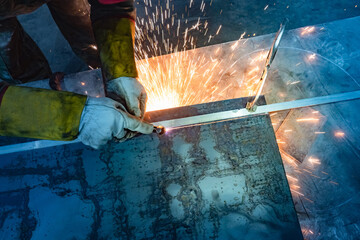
(201, 182)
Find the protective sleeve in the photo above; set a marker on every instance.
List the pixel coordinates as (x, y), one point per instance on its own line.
(40, 113)
(113, 24)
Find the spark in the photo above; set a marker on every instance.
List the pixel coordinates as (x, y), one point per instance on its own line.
(339, 134)
(334, 182)
(172, 73)
(307, 31)
(314, 161)
(312, 57)
(288, 158)
(299, 193)
(217, 32)
(294, 186)
(296, 82)
(291, 178)
(254, 70)
(191, 2)
(307, 119)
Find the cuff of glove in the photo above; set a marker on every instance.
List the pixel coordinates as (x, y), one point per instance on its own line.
(40, 113)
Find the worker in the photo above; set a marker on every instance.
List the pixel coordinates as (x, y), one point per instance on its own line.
(56, 115)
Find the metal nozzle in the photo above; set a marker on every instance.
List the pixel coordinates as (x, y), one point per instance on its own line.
(160, 130)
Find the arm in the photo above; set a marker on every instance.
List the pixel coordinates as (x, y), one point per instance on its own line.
(54, 115)
(39, 113)
(114, 29)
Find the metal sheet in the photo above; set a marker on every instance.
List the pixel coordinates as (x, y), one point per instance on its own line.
(201, 182)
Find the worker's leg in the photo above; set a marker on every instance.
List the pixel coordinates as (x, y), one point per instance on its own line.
(73, 20)
(21, 59)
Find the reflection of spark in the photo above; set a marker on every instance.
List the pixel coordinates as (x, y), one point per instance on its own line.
(296, 82)
(291, 178)
(288, 158)
(312, 57)
(307, 30)
(299, 193)
(339, 134)
(314, 161)
(307, 120)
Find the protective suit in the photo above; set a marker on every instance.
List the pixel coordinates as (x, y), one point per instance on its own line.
(45, 114)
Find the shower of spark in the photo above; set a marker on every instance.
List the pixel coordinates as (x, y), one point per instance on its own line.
(173, 72)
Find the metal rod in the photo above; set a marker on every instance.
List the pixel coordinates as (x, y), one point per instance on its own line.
(251, 106)
(203, 119)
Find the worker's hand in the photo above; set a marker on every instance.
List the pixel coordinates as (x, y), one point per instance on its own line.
(104, 119)
(130, 92)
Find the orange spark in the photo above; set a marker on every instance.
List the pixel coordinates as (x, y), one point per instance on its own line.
(339, 134)
(314, 160)
(307, 30)
(307, 120)
(312, 57)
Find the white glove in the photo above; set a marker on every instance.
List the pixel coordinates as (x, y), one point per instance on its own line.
(103, 119)
(131, 92)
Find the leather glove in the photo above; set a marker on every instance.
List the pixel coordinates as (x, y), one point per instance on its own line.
(104, 119)
(130, 92)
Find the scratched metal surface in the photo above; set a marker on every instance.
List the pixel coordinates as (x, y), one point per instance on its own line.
(216, 181)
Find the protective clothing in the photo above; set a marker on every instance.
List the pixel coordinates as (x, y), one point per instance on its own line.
(131, 92)
(115, 37)
(104, 119)
(21, 60)
(45, 114)
(40, 113)
(55, 115)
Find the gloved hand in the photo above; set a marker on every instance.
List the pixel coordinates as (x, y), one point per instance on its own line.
(103, 119)
(131, 93)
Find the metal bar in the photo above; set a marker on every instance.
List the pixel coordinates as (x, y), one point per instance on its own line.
(251, 106)
(203, 119)
(243, 112)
